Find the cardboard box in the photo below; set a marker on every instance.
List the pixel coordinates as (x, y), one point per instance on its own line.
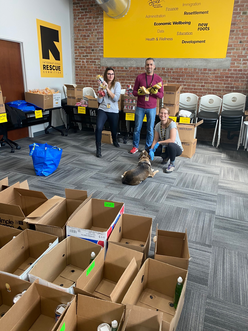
(19, 255)
(88, 313)
(154, 288)
(74, 90)
(67, 261)
(107, 137)
(172, 93)
(139, 318)
(9, 288)
(133, 232)
(92, 102)
(52, 215)
(27, 200)
(7, 234)
(172, 248)
(12, 216)
(35, 310)
(110, 279)
(4, 183)
(46, 101)
(189, 148)
(187, 132)
(2, 106)
(95, 220)
(174, 109)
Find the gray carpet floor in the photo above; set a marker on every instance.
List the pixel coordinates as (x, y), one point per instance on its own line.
(207, 195)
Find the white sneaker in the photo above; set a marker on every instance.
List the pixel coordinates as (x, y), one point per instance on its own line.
(170, 168)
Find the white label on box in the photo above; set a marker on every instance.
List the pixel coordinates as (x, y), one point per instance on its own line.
(57, 100)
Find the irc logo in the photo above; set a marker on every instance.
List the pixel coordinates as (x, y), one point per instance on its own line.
(50, 49)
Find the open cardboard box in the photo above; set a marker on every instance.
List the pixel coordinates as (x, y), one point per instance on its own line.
(95, 220)
(187, 131)
(9, 288)
(35, 310)
(88, 313)
(12, 216)
(44, 101)
(133, 232)
(67, 261)
(74, 93)
(172, 248)
(139, 318)
(28, 200)
(189, 148)
(51, 216)
(19, 255)
(110, 279)
(154, 288)
(7, 234)
(2, 106)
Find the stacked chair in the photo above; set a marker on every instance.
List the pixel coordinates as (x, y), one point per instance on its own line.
(189, 101)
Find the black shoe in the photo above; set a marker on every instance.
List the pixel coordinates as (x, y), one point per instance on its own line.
(98, 151)
(115, 143)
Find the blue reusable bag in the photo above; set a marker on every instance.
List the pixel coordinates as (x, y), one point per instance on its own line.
(46, 158)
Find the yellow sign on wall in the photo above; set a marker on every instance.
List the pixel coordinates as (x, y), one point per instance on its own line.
(170, 29)
(50, 49)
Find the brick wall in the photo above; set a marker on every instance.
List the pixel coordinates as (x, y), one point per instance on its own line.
(88, 38)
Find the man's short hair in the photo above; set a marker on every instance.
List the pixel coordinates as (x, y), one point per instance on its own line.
(150, 58)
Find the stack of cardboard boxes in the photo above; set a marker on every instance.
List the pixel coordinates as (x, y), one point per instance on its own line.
(187, 134)
(74, 93)
(119, 283)
(171, 98)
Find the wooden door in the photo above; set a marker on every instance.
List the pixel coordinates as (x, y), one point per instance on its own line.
(11, 79)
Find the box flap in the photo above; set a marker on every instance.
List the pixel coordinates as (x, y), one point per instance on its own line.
(13, 210)
(75, 194)
(46, 207)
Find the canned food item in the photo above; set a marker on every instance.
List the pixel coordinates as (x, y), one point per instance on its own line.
(59, 311)
(104, 327)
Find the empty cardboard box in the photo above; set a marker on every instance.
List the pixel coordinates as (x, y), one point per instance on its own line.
(187, 132)
(139, 318)
(64, 264)
(9, 288)
(19, 255)
(88, 313)
(7, 234)
(35, 310)
(110, 279)
(154, 288)
(133, 232)
(51, 216)
(172, 248)
(95, 220)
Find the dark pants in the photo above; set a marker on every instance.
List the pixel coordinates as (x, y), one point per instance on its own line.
(171, 151)
(102, 117)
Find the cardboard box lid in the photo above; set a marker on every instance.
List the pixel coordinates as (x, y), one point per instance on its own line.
(193, 125)
(13, 210)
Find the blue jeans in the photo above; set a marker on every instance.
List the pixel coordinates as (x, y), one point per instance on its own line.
(139, 116)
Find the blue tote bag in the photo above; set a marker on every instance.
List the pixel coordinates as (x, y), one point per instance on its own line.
(46, 158)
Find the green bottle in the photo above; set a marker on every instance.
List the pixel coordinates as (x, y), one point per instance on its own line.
(178, 291)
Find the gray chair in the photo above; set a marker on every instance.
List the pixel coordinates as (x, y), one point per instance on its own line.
(189, 101)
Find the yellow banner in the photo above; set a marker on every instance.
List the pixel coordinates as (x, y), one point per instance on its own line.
(50, 49)
(170, 29)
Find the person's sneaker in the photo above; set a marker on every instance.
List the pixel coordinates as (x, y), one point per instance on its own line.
(164, 161)
(134, 150)
(170, 168)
